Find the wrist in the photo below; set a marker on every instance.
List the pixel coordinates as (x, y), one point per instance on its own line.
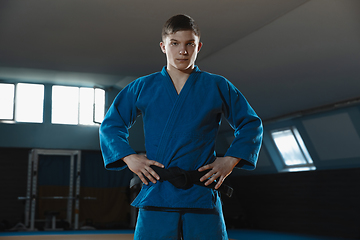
(234, 160)
(128, 157)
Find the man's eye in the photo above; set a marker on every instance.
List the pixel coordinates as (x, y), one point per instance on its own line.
(191, 44)
(174, 43)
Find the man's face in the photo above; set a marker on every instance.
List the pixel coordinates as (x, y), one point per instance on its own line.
(181, 49)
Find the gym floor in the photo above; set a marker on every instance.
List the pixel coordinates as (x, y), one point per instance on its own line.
(128, 235)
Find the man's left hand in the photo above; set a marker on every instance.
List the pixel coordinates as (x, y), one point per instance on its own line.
(220, 169)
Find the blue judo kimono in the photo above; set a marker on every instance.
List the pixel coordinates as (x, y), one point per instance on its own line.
(180, 130)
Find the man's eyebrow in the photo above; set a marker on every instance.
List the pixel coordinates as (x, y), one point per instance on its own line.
(190, 40)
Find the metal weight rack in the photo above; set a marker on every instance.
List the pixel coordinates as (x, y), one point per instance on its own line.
(31, 192)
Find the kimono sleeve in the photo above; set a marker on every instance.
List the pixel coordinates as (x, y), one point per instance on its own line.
(247, 127)
(114, 132)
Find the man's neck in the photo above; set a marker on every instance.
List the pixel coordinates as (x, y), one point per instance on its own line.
(178, 77)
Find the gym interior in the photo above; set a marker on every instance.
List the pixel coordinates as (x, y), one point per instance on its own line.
(297, 63)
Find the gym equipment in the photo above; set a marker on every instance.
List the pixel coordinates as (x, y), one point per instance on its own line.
(31, 192)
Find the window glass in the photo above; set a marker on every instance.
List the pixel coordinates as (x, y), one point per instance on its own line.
(29, 103)
(288, 147)
(302, 145)
(99, 105)
(86, 106)
(65, 105)
(7, 101)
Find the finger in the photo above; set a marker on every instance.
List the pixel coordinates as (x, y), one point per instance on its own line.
(203, 168)
(149, 175)
(219, 183)
(140, 175)
(153, 173)
(156, 164)
(212, 179)
(207, 176)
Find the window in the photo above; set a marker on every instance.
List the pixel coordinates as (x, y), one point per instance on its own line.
(74, 105)
(292, 150)
(25, 101)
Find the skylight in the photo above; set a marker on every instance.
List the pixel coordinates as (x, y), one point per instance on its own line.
(292, 149)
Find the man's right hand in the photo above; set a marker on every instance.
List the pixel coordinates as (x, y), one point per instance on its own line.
(140, 165)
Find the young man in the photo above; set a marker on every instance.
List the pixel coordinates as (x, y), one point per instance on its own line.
(181, 107)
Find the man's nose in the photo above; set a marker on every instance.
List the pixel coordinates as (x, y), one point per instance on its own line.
(183, 51)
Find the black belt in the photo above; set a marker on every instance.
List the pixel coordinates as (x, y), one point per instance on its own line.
(183, 179)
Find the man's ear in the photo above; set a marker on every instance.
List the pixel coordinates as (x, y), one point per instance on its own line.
(199, 47)
(162, 46)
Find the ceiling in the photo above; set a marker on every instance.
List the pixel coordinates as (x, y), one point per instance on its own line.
(285, 56)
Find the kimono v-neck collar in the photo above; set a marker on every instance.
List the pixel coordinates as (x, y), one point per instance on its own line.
(178, 102)
(170, 85)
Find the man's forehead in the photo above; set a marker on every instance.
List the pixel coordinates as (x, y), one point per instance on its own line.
(182, 35)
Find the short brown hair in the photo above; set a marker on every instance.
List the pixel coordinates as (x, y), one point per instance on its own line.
(178, 23)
